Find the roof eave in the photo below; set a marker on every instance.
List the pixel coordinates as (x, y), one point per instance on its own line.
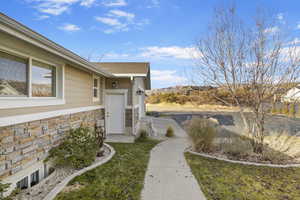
(11, 27)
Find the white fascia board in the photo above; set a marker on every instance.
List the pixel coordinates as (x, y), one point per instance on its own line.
(12, 120)
(130, 75)
(20, 31)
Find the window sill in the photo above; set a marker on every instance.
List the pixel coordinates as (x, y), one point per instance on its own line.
(29, 102)
(95, 100)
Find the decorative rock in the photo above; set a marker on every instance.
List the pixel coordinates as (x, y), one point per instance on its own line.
(8, 139)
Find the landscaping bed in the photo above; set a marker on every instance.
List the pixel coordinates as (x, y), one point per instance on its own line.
(221, 180)
(122, 178)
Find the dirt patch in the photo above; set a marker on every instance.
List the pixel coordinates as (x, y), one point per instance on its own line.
(74, 187)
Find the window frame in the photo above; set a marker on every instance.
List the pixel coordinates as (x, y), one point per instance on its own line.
(30, 78)
(95, 77)
(24, 180)
(29, 100)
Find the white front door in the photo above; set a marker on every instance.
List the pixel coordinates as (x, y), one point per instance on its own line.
(115, 113)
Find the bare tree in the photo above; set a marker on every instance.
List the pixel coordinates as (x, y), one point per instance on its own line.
(251, 58)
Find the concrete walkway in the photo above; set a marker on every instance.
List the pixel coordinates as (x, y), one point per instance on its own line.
(168, 176)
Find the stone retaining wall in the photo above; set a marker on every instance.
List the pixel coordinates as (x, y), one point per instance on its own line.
(23, 145)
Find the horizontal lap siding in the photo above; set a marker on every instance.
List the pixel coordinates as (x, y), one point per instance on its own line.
(78, 87)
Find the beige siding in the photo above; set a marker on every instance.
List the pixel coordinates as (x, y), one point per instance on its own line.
(78, 83)
(78, 88)
(123, 83)
(28, 49)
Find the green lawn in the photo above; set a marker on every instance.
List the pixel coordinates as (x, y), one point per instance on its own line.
(122, 178)
(221, 180)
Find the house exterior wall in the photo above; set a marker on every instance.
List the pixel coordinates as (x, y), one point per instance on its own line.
(139, 100)
(293, 95)
(122, 83)
(78, 83)
(26, 145)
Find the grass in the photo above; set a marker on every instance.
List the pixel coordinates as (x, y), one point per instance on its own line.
(122, 178)
(221, 180)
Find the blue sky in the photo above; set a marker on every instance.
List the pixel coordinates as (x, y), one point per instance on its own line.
(162, 32)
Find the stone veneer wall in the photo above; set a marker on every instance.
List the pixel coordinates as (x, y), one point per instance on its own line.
(23, 145)
(128, 121)
(136, 115)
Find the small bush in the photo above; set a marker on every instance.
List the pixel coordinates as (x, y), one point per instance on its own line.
(281, 147)
(78, 149)
(285, 109)
(274, 109)
(202, 133)
(292, 110)
(143, 136)
(237, 147)
(3, 188)
(170, 132)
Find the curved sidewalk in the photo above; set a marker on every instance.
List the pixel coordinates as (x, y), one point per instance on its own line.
(168, 175)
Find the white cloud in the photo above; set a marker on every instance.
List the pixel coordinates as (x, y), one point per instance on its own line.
(121, 21)
(42, 17)
(109, 21)
(280, 16)
(115, 3)
(167, 76)
(57, 10)
(272, 30)
(154, 4)
(70, 27)
(87, 3)
(120, 13)
(298, 26)
(114, 23)
(113, 55)
(57, 7)
(170, 51)
(294, 41)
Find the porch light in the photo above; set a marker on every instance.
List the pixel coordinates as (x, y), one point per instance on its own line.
(139, 92)
(114, 84)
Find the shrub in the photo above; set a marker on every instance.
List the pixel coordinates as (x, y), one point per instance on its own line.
(77, 150)
(285, 109)
(292, 110)
(202, 133)
(3, 188)
(273, 109)
(281, 147)
(237, 147)
(170, 132)
(143, 136)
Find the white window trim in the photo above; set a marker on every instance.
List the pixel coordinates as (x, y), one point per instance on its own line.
(96, 99)
(29, 101)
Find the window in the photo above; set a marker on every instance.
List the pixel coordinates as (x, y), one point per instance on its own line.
(34, 178)
(43, 80)
(13, 75)
(96, 89)
(23, 184)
